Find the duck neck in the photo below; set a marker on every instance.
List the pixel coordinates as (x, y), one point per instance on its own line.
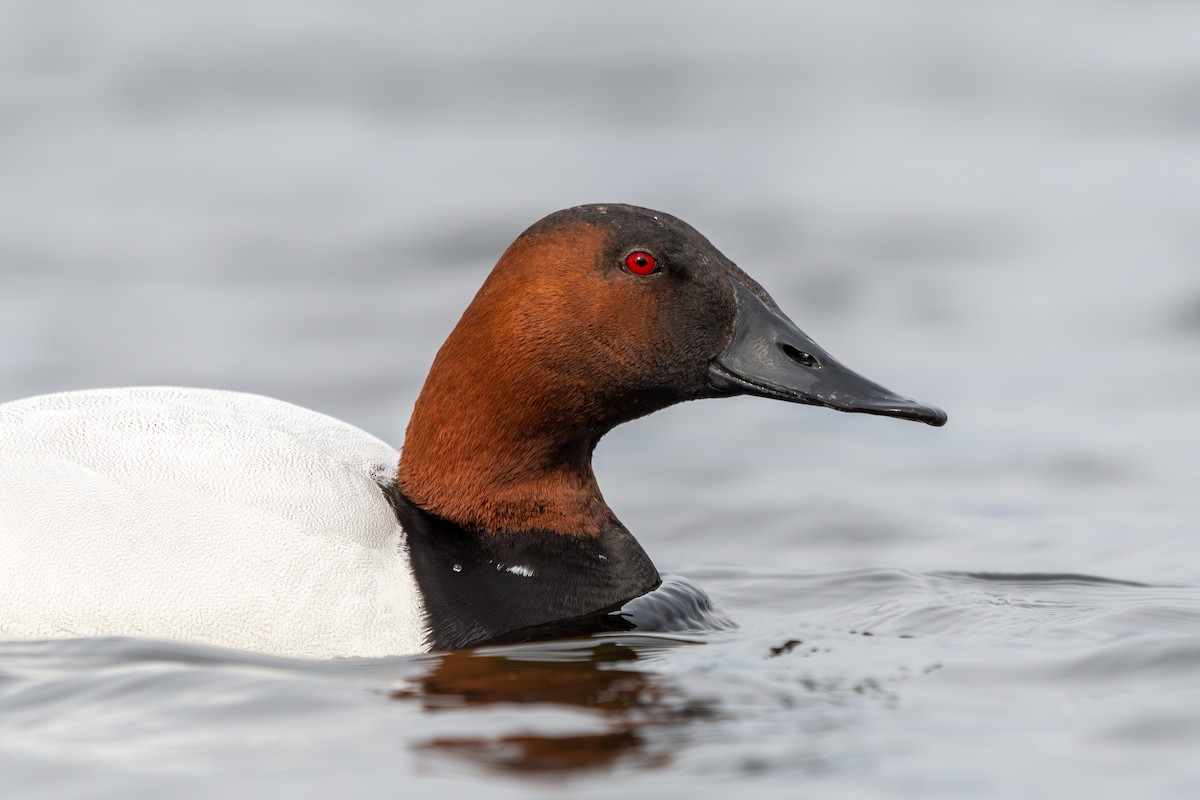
(486, 474)
(503, 449)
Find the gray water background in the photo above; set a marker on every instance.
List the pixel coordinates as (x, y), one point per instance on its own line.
(993, 207)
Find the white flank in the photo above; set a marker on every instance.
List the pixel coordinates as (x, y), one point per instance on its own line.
(206, 516)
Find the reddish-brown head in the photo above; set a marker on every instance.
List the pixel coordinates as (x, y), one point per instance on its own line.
(595, 316)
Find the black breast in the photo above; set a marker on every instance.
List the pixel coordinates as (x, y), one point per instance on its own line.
(517, 587)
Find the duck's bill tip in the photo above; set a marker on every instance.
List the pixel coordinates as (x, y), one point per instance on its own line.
(906, 409)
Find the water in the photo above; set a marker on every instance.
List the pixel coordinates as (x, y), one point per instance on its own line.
(990, 207)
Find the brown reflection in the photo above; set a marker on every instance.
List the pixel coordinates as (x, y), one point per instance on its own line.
(628, 702)
(544, 753)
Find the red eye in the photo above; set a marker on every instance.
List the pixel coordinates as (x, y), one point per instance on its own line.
(641, 263)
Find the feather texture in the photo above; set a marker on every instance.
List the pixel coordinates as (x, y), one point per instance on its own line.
(201, 515)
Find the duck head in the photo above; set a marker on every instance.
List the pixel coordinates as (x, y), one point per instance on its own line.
(595, 316)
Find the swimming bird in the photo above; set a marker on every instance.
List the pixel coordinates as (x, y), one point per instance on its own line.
(243, 521)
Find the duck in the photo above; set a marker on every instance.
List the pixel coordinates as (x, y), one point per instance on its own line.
(240, 521)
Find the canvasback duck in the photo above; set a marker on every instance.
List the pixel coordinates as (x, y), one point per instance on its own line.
(241, 521)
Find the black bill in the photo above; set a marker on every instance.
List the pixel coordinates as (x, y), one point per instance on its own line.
(770, 357)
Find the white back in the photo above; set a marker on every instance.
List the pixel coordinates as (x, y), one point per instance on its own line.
(200, 515)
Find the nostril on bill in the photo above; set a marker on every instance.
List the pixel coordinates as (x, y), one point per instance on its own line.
(799, 356)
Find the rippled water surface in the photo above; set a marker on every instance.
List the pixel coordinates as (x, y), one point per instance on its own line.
(992, 207)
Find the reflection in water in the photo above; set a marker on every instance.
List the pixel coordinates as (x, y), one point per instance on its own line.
(537, 753)
(595, 675)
